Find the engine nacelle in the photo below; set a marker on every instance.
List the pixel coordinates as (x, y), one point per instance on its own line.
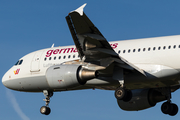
(141, 99)
(68, 76)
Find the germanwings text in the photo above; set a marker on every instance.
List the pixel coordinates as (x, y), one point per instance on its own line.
(69, 50)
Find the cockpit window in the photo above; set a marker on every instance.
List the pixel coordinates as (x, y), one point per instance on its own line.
(19, 62)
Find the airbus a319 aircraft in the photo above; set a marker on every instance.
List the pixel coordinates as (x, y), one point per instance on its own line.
(142, 72)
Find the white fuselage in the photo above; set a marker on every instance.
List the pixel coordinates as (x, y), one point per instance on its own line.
(158, 56)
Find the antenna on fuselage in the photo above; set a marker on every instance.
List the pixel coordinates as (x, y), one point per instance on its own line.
(52, 45)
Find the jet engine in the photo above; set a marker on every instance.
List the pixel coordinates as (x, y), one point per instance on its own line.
(68, 76)
(142, 99)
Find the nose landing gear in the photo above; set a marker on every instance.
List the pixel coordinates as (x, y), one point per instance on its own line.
(45, 109)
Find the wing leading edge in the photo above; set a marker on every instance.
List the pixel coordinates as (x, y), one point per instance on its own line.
(91, 45)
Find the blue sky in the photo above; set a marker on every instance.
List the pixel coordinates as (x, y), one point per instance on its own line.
(26, 26)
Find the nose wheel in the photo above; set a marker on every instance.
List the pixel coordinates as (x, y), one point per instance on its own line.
(45, 109)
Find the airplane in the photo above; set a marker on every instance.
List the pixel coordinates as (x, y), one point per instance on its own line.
(141, 72)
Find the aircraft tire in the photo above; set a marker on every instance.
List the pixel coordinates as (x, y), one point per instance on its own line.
(174, 109)
(166, 107)
(45, 110)
(120, 93)
(128, 96)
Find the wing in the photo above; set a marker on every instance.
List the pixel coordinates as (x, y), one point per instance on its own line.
(91, 45)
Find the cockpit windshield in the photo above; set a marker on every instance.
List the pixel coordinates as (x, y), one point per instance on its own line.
(19, 62)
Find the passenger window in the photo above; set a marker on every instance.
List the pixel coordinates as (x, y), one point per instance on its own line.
(139, 50)
(149, 49)
(45, 59)
(144, 49)
(169, 47)
(69, 56)
(174, 46)
(54, 58)
(179, 46)
(164, 47)
(159, 48)
(78, 56)
(124, 51)
(134, 50)
(154, 48)
(73, 56)
(129, 51)
(50, 58)
(119, 52)
(64, 57)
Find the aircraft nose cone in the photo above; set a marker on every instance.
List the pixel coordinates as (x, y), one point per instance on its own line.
(4, 80)
(9, 82)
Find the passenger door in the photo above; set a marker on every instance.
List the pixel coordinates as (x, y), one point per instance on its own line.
(35, 64)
